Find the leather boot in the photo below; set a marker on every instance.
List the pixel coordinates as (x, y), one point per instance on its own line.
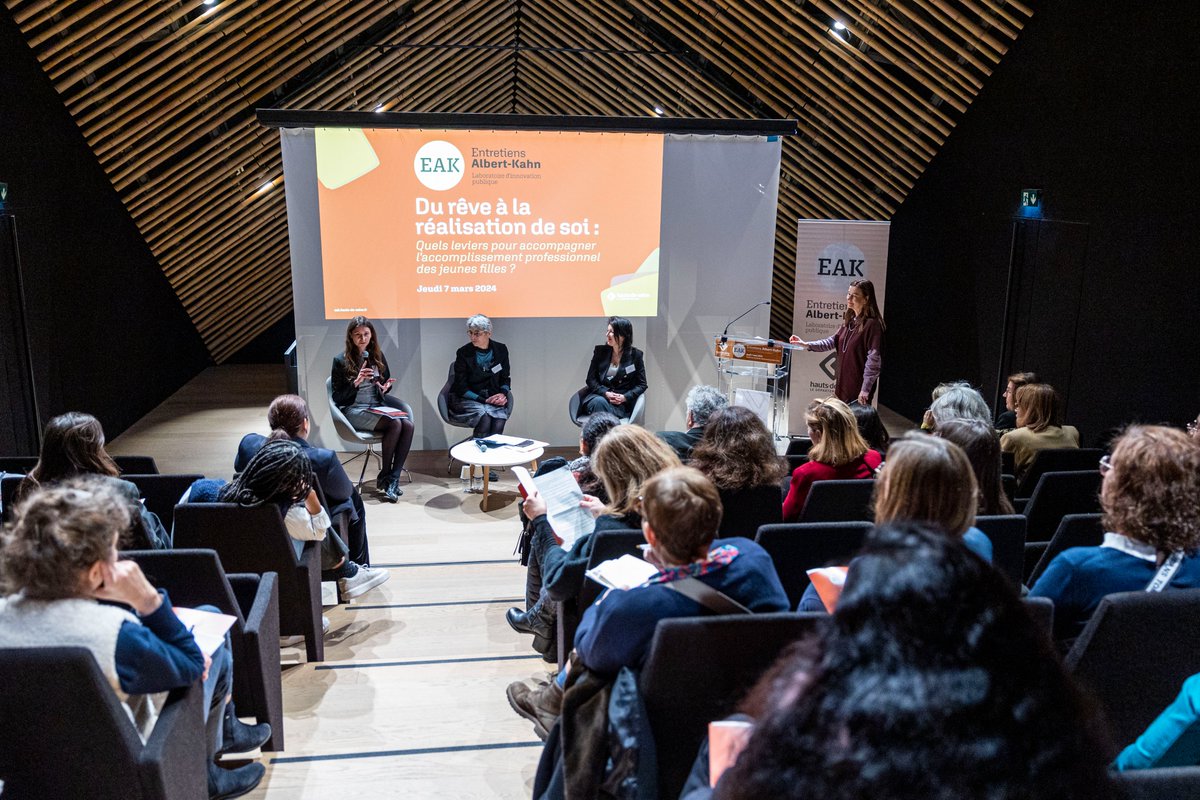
(538, 620)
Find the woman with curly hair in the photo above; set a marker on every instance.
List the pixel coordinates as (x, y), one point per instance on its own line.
(1150, 496)
(737, 453)
(930, 681)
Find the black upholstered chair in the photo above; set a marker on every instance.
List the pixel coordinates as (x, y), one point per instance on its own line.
(1007, 534)
(838, 501)
(606, 546)
(747, 510)
(64, 734)
(8, 491)
(1075, 530)
(800, 546)
(1175, 783)
(133, 465)
(254, 540)
(697, 670)
(575, 409)
(194, 578)
(160, 493)
(1066, 459)
(1058, 494)
(1135, 653)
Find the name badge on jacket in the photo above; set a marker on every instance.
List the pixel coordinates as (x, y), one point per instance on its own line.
(629, 370)
(497, 368)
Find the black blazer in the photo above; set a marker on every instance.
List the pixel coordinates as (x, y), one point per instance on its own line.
(335, 483)
(344, 390)
(469, 377)
(630, 379)
(683, 442)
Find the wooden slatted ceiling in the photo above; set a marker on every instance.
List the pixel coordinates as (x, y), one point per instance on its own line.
(164, 94)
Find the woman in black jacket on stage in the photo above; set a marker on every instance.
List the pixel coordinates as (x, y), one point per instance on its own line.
(361, 379)
(617, 375)
(479, 395)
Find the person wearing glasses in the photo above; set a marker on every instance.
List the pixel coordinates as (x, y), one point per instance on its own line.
(859, 345)
(1150, 496)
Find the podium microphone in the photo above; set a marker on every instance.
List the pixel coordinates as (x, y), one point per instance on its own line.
(724, 333)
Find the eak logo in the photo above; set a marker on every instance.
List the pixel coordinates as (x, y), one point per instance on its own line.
(438, 165)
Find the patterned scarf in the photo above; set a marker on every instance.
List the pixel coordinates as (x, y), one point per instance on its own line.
(717, 559)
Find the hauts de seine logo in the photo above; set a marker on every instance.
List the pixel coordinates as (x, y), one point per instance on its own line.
(439, 165)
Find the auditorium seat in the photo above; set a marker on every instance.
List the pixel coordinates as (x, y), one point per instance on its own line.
(64, 734)
(796, 547)
(160, 493)
(1175, 783)
(134, 465)
(838, 501)
(194, 578)
(1064, 459)
(1058, 494)
(254, 539)
(606, 546)
(1007, 535)
(1075, 530)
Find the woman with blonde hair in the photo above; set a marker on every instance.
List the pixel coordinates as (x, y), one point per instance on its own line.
(627, 457)
(1039, 426)
(838, 452)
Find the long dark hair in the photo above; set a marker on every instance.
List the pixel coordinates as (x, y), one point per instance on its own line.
(871, 311)
(870, 426)
(932, 682)
(73, 444)
(374, 354)
(279, 473)
(737, 450)
(623, 333)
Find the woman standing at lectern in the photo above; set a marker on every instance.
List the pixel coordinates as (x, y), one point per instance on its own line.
(361, 379)
(859, 343)
(617, 375)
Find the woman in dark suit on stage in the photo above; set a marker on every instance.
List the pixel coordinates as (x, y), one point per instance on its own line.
(617, 375)
(361, 379)
(479, 395)
(859, 345)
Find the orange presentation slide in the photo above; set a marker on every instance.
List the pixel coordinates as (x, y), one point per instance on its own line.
(433, 224)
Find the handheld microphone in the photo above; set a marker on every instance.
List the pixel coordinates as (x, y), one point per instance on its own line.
(724, 333)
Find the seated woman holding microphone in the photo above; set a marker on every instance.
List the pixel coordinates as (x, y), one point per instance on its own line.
(617, 375)
(361, 379)
(479, 395)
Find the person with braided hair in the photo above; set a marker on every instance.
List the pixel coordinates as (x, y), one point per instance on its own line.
(281, 474)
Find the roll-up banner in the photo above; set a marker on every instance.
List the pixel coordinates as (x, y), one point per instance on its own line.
(829, 254)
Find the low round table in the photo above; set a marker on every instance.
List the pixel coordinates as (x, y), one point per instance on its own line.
(469, 453)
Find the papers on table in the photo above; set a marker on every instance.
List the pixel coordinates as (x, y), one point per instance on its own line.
(562, 494)
(625, 572)
(513, 444)
(208, 628)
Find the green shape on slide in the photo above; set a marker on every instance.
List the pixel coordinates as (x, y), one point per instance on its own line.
(635, 294)
(343, 155)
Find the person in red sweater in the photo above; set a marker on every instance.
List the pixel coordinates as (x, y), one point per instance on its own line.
(838, 452)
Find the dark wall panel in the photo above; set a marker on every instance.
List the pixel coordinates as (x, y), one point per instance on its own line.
(1097, 109)
(108, 335)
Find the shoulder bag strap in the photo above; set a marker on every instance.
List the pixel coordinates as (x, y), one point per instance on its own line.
(715, 601)
(1166, 572)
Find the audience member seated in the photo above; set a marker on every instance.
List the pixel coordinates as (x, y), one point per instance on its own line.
(702, 402)
(938, 391)
(627, 457)
(289, 419)
(838, 453)
(931, 681)
(479, 396)
(960, 401)
(681, 512)
(926, 480)
(871, 427)
(1007, 420)
(60, 560)
(738, 456)
(73, 444)
(1039, 426)
(1150, 497)
(281, 473)
(978, 440)
(1173, 739)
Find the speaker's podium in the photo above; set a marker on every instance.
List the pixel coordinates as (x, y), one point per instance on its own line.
(754, 373)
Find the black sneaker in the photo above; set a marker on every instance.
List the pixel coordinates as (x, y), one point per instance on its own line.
(226, 783)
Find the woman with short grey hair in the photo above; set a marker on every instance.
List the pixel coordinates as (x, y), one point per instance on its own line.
(960, 402)
(481, 390)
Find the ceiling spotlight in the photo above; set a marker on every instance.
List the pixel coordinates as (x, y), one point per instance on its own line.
(660, 110)
(838, 26)
(379, 108)
(266, 187)
(209, 2)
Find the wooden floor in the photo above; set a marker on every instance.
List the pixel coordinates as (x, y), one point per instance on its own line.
(409, 702)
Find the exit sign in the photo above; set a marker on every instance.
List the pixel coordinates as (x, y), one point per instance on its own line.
(1031, 198)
